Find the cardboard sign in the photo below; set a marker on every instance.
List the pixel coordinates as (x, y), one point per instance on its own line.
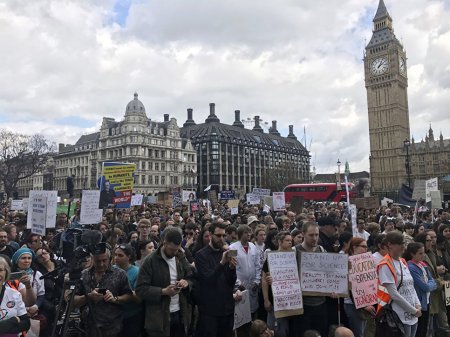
(136, 200)
(366, 203)
(363, 278)
(267, 201)
(233, 203)
(16, 205)
(90, 212)
(38, 213)
(279, 203)
(297, 204)
(430, 185)
(287, 295)
(177, 199)
(447, 293)
(242, 314)
(213, 198)
(253, 199)
(436, 200)
(189, 196)
(324, 274)
(52, 202)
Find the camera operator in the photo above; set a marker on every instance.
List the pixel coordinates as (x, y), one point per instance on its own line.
(103, 289)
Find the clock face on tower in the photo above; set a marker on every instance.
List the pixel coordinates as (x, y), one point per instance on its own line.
(402, 65)
(379, 66)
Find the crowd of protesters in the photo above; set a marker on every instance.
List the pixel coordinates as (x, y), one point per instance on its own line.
(166, 272)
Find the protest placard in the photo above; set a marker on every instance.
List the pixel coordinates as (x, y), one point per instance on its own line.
(447, 293)
(261, 191)
(25, 204)
(38, 213)
(177, 199)
(52, 202)
(136, 200)
(234, 210)
(287, 295)
(90, 212)
(233, 203)
(297, 204)
(253, 199)
(16, 205)
(279, 203)
(242, 314)
(116, 184)
(363, 278)
(353, 216)
(189, 195)
(324, 274)
(430, 185)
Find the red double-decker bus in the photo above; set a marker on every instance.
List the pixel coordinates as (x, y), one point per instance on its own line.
(318, 192)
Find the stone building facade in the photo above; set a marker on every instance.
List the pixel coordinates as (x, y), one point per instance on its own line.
(386, 81)
(163, 159)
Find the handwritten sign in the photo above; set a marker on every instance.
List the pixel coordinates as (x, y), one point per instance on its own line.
(136, 200)
(287, 295)
(242, 314)
(52, 202)
(447, 293)
(16, 205)
(363, 278)
(253, 199)
(430, 185)
(90, 212)
(38, 213)
(324, 274)
(279, 203)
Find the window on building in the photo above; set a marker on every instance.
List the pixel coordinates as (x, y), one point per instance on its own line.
(156, 166)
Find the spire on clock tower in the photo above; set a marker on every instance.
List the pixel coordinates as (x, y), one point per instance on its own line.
(382, 12)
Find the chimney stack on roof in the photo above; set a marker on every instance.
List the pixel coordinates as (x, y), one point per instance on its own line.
(189, 120)
(237, 119)
(291, 132)
(273, 130)
(166, 117)
(212, 114)
(257, 127)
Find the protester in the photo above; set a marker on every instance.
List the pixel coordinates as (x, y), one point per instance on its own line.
(423, 283)
(216, 269)
(395, 282)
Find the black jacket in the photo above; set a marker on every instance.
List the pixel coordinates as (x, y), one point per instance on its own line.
(215, 283)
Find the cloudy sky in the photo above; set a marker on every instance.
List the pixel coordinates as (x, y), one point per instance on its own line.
(67, 63)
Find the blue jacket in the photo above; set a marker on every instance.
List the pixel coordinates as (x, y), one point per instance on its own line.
(422, 287)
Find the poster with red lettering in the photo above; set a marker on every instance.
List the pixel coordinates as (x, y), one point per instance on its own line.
(363, 278)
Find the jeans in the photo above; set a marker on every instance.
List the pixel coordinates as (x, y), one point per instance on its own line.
(280, 326)
(357, 325)
(410, 330)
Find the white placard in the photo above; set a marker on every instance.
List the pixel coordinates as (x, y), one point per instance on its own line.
(430, 185)
(189, 196)
(25, 204)
(363, 277)
(253, 199)
(287, 294)
(90, 213)
(52, 202)
(436, 200)
(324, 273)
(353, 215)
(279, 203)
(261, 191)
(242, 314)
(136, 200)
(234, 210)
(38, 214)
(16, 205)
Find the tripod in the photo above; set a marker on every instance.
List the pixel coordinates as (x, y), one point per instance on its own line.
(62, 318)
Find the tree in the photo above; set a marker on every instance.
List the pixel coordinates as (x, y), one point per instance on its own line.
(21, 156)
(278, 177)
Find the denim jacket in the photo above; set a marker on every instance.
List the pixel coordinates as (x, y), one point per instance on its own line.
(422, 287)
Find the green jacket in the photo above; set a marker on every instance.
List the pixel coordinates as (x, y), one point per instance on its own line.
(153, 276)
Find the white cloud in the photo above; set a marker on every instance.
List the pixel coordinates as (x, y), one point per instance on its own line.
(66, 64)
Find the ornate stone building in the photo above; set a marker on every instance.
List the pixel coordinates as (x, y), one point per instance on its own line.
(387, 99)
(233, 157)
(163, 159)
(392, 151)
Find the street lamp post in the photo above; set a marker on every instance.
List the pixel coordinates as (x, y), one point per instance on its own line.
(338, 183)
(407, 144)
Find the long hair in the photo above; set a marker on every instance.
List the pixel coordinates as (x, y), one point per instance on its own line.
(354, 242)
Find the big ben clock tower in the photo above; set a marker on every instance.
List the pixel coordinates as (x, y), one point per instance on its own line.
(387, 99)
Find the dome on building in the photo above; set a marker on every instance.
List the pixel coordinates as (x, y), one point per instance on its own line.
(135, 106)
